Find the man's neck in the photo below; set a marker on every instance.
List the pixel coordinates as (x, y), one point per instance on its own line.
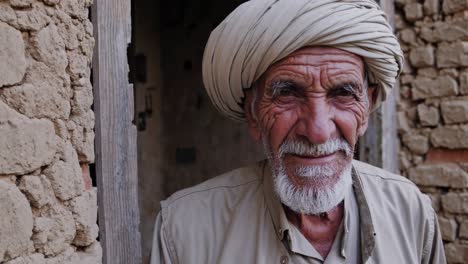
(319, 230)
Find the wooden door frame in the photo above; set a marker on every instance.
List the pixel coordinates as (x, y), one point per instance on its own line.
(380, 145)
(116, 135)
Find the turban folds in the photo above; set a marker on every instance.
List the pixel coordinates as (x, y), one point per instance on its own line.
(261, 32)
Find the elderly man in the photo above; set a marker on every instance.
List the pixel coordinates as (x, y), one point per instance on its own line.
(304, 74)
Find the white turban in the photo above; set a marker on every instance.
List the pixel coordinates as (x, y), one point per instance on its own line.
(261, 32)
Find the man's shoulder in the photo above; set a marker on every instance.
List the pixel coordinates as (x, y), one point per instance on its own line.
(229, 185)
(382, 186)
(369, 172)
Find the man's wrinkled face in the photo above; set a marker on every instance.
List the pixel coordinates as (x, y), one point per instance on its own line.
(309, 110)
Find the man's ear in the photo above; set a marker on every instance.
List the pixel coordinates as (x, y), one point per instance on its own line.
(372, 94)
(252, 123)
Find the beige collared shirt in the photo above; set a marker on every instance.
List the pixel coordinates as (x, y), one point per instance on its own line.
(236, 218)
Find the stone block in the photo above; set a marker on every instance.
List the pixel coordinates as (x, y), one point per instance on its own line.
(416, 143)
(25, 145)
(21, 3)
(424, 87)
(456, 253)
(65, 175)
(79, 65)
(38, 101)
(464, 83)
(439, 175)
(37, 189)
(448, 228)
(402, 120)
(452, 55)
(76, 9)
(16, 222)
(451, 31)
(83, 141)
(32, 19)
(452, 6)
(422, 56)
(32, 259)
(431, 7)
(446, 155)
(456, 203)
(463, 229)
(454, 111)
(428, 115)
(84, 209)
(12, 57)
(413, 11)
(408, 36)
(451, 137)
(54, 230)
(7, 14)
(49, 48)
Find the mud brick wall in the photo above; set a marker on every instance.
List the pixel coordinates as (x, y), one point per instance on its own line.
(48, 207)
(433, 111)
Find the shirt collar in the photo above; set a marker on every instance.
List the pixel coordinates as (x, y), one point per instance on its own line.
(282, 225)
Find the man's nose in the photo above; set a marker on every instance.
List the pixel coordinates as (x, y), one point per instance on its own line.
(315, 121)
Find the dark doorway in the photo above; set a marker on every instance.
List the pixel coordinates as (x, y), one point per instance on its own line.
(182, 139)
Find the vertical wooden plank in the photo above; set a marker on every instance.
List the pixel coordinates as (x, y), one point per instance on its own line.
(379, 146)
(116, 153)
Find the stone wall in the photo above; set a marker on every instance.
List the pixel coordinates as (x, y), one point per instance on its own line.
(48, 205)
(433, 111)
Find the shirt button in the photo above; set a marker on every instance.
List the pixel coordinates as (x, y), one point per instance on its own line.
(284, 260)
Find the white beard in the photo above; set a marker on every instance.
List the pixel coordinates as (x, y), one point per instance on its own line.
(325, 192)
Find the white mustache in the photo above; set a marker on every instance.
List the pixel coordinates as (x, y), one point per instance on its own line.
(303, 148)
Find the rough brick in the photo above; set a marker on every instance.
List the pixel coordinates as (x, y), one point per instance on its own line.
(65, 175)
(84, 209)
(402, 120)
(37, 101)
(422, 56)
(413, 11)
(21, 3)
(25, 145)
(455, 203)
(12, 57)
(428, 115)
(16, 222)
(464, 83)
(37, 189)
(416, 143)
(451, 137)
(452, 55)
(464, 229)
(32, 20)
(32, 259)
(452, 6)
(54, 230)
(86, 176)
(408, 36)
(424, 87)
(439, 175)
(448, 228)
(7, 14)
(431, 7)
(446, 155)
(454, 111)
(50, 48)
(445, 31)
(456, 253)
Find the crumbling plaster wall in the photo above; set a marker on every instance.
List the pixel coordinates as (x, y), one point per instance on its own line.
(48, 207)
(433, 111)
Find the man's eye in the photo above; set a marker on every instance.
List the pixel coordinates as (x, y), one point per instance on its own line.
(283, 92)
(346, 90)
(283, 89)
